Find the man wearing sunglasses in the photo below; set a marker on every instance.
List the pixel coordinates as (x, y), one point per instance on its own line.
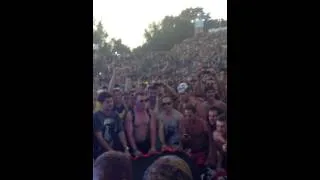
(141, 126)
(169, 121)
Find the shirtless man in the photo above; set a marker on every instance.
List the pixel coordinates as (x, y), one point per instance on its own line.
(186, 98)
(212, 101)
(169, 124)
(141, 126)
(196, 136)
(220, 140)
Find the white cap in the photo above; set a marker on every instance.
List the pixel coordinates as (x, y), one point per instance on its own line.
(100, 91)
(182, 87)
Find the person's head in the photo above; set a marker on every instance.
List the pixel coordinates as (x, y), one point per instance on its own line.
(142, 101)
(221, 124)
(166, 103)
(213, 114)
(117, 95)
(183, 90)
(113, 165)
(168, 168)
(210, 93)
(189, 112)
(106, 100)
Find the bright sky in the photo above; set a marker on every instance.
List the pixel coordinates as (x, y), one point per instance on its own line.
(127, 19)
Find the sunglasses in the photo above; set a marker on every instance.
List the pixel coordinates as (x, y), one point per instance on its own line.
(168, 103)
(146, 100)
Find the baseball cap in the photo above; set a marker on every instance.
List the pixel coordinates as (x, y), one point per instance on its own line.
(182, 87)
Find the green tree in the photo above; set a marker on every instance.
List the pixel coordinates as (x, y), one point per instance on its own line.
(172, 30)
(117, 46)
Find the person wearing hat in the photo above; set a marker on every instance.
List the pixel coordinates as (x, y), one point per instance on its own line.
(186, 98)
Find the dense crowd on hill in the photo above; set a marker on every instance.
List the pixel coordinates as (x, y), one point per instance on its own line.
(173, 101)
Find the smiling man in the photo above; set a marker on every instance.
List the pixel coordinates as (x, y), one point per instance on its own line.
(108, 128)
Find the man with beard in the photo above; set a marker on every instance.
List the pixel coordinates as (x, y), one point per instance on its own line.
(141, 126)
(169, 121)
(108, 128)
(197, 137)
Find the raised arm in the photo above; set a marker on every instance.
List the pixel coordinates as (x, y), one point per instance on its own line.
(128, 84)
(111, 82)
(171, 91)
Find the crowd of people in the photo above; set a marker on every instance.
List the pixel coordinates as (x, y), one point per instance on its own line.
(180, 105)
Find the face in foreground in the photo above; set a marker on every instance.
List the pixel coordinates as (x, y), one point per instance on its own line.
(142, 102)
(107, 105)
(188, 114)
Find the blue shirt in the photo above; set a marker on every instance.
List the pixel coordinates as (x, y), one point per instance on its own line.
(110, 126)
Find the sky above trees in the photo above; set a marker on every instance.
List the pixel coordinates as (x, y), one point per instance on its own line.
(128, 19)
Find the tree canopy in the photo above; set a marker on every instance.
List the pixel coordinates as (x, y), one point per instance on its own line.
(173, 30)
